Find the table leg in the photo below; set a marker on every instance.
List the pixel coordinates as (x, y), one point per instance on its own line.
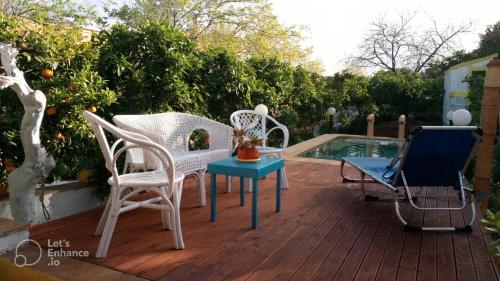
(213, 191)
(242, 191)
(278, 190)
(255, 193)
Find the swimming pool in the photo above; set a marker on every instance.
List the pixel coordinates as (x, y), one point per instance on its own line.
(352, 146)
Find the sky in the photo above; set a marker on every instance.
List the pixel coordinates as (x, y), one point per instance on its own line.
(336, 28)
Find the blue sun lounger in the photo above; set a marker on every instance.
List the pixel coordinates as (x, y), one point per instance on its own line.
(432, 156)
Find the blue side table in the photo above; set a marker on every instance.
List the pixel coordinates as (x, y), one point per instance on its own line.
(232, 167)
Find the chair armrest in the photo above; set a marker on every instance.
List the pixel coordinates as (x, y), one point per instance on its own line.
(223, 134)
(286, 135)
(162, 157)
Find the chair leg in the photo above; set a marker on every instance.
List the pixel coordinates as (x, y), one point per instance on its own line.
(104, 217)
(166, 220)
(108, 230)
(177, 222)
(284, 180)
(203, 193)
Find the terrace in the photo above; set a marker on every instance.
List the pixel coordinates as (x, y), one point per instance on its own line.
(326, 231)
(190, 116)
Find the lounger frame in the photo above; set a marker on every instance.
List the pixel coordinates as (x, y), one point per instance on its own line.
(465, 192)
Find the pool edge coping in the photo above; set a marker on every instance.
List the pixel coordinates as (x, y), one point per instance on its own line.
(293, 152)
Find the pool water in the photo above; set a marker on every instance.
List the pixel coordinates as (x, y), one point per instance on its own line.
(341, 147)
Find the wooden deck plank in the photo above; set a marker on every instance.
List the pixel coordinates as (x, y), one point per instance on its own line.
(408, 264)
(427, 266)
(375, 254)
(445, 252)
(361, 231)
(349, 224)
(463, 257)
(389, 267)
(253, 249)
(482, 263)
(325, 231)
(358, 252)
(223, 233)
(340, 221)
(295, 237)
(296, 250)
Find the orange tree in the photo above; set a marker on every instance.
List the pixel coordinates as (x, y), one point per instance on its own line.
(58, 60)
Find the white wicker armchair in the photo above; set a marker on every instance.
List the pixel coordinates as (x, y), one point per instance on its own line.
(257, 124)
(172, 130)
(165, 181)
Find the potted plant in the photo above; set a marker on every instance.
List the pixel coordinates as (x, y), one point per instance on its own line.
(246, 145)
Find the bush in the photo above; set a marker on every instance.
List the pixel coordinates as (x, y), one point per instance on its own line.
(221, 83)
(491, 223)
(406, 92)
(147, 66)
(74, 87)
(170, 74)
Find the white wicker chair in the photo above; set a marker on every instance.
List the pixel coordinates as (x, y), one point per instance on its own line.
(172, 131)
(257, 123)
(164, 181)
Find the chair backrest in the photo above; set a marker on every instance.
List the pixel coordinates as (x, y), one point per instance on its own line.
(173, 129)
(435, 154)
(256, 124)
(132, 140)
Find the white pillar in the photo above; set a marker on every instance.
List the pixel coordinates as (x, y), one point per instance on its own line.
(402, 127)
(371, 125)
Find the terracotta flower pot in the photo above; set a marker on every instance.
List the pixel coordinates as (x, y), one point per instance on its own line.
(248, 154)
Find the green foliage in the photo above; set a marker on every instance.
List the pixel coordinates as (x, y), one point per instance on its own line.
(55, 11)
(491, 222)
(147, 66)
(494, 201)
(475, 96)
(406, 92)
(154, 68)
(222, 83)
(157, 68)
(489, 41)
(438, 67)
(243, 27)
(75, 86)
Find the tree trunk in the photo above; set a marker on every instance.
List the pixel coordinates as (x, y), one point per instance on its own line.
(24, 179)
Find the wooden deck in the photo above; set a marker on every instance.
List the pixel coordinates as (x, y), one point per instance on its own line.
(324, 232)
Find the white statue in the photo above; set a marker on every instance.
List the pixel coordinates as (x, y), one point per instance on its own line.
(24, 179)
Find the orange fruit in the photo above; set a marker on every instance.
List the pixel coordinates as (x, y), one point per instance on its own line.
(58, 136)
(51, 110)
(92, 109)
(47, 73)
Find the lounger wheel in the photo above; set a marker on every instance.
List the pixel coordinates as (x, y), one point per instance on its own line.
(409, 227)
(467, 229)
